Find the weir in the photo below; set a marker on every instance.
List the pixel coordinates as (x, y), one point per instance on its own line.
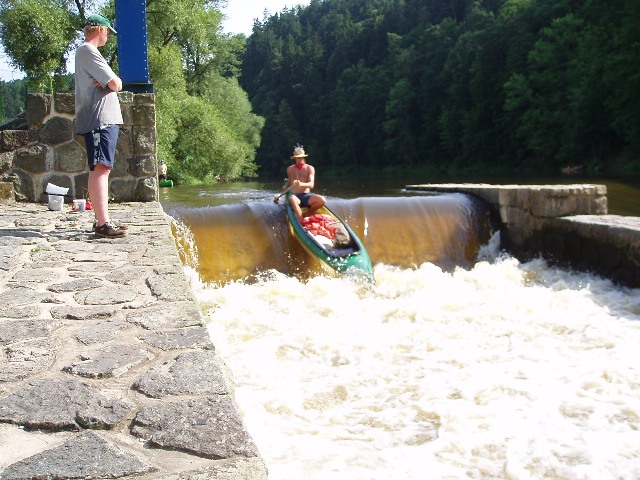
(241, 240)
(566, 224)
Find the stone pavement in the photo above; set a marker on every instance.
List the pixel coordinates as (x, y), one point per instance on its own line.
(106, 366)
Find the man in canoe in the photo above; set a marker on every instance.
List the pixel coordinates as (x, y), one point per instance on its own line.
(300, 180)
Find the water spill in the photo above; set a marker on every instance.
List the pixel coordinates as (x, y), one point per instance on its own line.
(505, 370)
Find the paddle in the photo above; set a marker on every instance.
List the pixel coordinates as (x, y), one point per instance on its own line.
(277, 197)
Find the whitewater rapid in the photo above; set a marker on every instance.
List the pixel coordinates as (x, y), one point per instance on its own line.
(504, 370)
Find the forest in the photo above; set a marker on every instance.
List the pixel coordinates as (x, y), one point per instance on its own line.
(449, 86)
(435, 87)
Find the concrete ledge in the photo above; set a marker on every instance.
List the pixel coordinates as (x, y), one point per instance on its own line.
(567, 224)
(106, 367)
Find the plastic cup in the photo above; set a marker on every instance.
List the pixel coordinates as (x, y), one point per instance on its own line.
(79, 204)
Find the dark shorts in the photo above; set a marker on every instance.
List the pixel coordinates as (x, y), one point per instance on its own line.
(304, 198)
(101, 146)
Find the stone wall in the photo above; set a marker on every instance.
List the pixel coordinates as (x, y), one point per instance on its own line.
(567, 224)
(50, 151)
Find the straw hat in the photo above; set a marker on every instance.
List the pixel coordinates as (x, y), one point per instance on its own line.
(298, 152)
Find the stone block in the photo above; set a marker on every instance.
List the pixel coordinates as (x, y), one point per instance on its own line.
(198, 372)
(523, 198)
(209, 427)
(123, 189)
(143, 166)
(7, 194)
(126, 97)
(6, 161)
(600, 206)
(144, 140)
(83, 456)
(36, 158)
(13, 139)
(143, 115)
(517, 216)
(125, 142)
(57, 405)
(22, 185)
(65, 103)
(121, 166)
(145, 98)
(57, 130)
(623, 238)
(147, 190)
(81, 185)
(554, 206)
(70, 158)
(38, 108)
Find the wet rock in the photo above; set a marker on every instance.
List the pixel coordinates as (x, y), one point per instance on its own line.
(85, 456)
(209, 427)
(192, 373)
(57, 405)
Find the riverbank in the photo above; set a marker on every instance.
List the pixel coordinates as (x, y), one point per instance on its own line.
(106, 367)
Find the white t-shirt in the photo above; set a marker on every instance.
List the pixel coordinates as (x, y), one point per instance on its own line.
(95, 106)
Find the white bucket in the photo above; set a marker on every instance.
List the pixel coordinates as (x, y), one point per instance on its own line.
(79, 204)
(56, 190)
(55, 202)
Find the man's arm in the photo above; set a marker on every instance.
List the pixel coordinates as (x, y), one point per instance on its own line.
(115, 84)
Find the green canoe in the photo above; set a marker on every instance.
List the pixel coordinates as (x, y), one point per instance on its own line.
(348, 257)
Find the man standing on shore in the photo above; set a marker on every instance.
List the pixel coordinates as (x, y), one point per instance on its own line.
(98, 118)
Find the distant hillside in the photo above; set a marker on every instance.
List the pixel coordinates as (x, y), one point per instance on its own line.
(457, 86)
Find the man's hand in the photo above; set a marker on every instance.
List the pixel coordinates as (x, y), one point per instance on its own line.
(115, 84)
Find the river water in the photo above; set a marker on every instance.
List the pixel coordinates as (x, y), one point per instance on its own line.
(447, 368)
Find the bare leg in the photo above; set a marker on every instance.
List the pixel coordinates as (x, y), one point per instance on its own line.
(99, 192)
(315, 202)
(295, 204)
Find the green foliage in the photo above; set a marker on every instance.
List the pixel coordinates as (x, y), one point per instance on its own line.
(13, 98)
(37, 36)
(468, 86)
(206, 129)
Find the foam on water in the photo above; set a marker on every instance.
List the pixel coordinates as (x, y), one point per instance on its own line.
(506, 370)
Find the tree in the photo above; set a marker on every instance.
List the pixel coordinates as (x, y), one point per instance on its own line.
(206, 129)
(37, 36)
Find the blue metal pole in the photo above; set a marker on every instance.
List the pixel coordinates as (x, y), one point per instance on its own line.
(133, 60)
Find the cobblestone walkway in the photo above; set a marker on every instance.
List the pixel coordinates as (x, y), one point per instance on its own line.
(106, 367)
